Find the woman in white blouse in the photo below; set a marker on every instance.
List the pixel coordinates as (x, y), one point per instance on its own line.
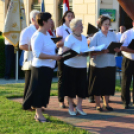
(102, 66)
(44, 56)
(63, 31)
(75, 69)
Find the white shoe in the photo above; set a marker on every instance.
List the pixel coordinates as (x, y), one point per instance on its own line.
(71, 112)
(80, 112)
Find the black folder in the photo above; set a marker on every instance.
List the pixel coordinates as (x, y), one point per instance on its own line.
(91, 29)
(68, 54)
(112, 46)
(131, 45)
(56, 39)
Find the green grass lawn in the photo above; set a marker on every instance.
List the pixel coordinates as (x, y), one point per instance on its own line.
(14, 120)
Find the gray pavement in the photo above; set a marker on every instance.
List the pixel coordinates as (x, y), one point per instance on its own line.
(12, 81)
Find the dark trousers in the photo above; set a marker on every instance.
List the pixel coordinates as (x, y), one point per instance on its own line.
(27, 82)
(60, 81)
(127, 74)
(10, 60)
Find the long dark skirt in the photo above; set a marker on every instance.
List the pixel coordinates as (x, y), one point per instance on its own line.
(75, 82)
(101, 81)
(38, 93)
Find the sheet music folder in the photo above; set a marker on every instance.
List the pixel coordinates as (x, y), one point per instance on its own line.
(68, 54)
(91, 29)
(56, 39)
(131, 45)
(112, 46)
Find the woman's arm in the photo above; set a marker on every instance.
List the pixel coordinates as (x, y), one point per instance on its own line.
(45, 56)
(65, 49)
(126, 49)
(60, 43)
(25, 47)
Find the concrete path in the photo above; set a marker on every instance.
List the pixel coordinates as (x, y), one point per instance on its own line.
(11, 81)
(120, 121)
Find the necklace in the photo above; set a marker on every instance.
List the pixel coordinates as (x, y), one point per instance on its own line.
(77, 35)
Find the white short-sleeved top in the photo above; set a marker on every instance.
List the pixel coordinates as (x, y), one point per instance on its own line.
(63, 31)
(25, 38)
(103, 60)
(42, 43)
(126, 39)
(119, 34)
(78, 46)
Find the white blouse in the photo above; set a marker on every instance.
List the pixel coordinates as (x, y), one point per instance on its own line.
(42, 43)
(25, 38)
(78, 46)
(126, 39)
(63, 31)
(103, 60)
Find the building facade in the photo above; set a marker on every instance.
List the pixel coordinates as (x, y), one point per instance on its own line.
(87, 10)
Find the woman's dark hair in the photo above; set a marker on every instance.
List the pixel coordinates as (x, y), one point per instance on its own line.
(101, 20)
(65, 14)
(43, 17)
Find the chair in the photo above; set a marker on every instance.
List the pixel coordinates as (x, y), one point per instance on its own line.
(118, 60)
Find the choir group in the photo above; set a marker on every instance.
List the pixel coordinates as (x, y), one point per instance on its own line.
(73, 81)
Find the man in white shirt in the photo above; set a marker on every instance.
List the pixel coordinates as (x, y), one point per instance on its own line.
(127, 66)
(10, 59)
(119, 34)
(25, 44)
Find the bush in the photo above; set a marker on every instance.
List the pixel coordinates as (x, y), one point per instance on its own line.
(2, 57)
(2, 60)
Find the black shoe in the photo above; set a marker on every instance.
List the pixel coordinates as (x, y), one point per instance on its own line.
(99, 109)
(62, 106)
(127, 107)
(108, 108)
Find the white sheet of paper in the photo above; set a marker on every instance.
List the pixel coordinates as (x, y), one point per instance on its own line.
(96, 48)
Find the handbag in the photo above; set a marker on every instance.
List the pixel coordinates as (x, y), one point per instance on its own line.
(27, 65)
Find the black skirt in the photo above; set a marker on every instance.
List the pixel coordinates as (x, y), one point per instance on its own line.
(101, 81)
(38, 93)
(75, 82)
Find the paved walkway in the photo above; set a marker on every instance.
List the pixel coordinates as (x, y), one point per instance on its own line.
(120, 121)
(11, 81)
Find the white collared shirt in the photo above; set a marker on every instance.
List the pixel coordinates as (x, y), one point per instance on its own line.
(42, 43)
(119, 34)
(78, 46)
(25, 38)
(126, 39)
(61, 31)
(103, 60)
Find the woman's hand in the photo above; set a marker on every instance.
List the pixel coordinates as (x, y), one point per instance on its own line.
(105, 51)
(117, 50)
(99, 53)
(57, 57)
(80, 54)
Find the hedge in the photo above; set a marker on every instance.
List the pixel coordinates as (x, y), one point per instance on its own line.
(2, 57)
(2, 60)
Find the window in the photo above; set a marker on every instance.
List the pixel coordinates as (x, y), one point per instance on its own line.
(36, 4)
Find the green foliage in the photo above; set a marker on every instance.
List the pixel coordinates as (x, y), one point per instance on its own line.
(2, 57)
